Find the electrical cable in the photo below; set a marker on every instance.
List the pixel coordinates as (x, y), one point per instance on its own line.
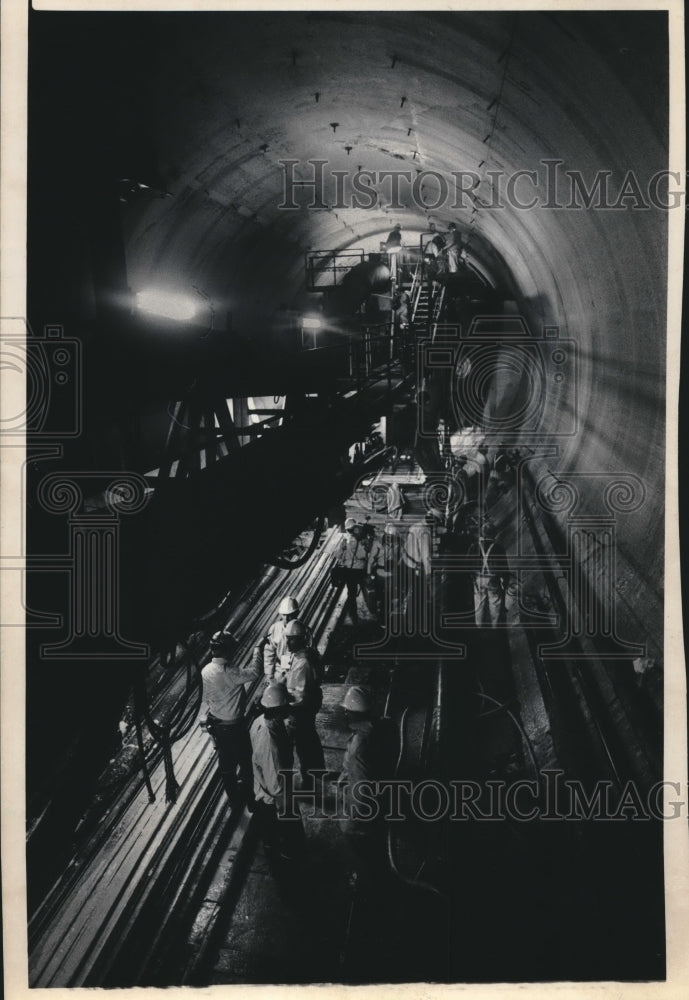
(413, 882)
(518, 723)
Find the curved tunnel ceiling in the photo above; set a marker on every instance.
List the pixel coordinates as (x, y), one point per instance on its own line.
(234, 95)
(482, 92)
(203, 107)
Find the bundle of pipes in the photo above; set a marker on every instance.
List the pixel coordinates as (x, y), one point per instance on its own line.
(145, 860)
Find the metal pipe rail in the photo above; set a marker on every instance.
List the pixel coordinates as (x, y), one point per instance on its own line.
(608, 712)
(418, 756)
(122, 889)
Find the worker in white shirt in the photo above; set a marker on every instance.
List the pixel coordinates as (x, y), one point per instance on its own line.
(352, 556)
(275, 644)
(369, 759)
(282, 833)
(224, 691)
(418, 550)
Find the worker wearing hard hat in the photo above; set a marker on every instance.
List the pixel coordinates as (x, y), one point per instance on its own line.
(359, 760)
(275, 644)
(452, 248)
(384, 570)
(271, 757)
(352, 556)
(225, 694)
(369, 758)
(302, 682)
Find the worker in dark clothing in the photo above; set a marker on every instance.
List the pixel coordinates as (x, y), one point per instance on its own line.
(384, 571)
(367, 533)
(433, 260)
(417, 556)
(461, 478)
(462, 502)
(452, 248)
(401, 305)
(305, 699)
(369, 759)
(225, 694)
(352, 556)
(490, 579)
(502, 472)
(282, 833)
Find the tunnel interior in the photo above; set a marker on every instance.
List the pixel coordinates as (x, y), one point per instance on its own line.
(201, 158)
(187, 106)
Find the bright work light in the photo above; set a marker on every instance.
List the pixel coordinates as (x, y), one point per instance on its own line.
(311, 322)
(178, 307)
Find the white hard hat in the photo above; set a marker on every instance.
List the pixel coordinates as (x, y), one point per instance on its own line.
(274, 696)
(357, 699)
(295, 627)
(350, 522)
(390, 529)
(288, 606)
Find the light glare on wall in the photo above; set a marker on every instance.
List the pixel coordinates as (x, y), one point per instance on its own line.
(164, 304)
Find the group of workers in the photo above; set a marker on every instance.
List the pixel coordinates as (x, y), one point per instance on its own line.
(391, 566)
(445, 248)
(256, 746)
(292, 696)
(368, 562)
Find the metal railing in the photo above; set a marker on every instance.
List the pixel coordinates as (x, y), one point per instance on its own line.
(327, 268)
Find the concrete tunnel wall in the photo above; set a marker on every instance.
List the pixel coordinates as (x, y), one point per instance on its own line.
(232, 95)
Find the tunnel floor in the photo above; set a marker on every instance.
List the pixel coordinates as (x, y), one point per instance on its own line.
(530, 901)
(576, 901)
(495, 900)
